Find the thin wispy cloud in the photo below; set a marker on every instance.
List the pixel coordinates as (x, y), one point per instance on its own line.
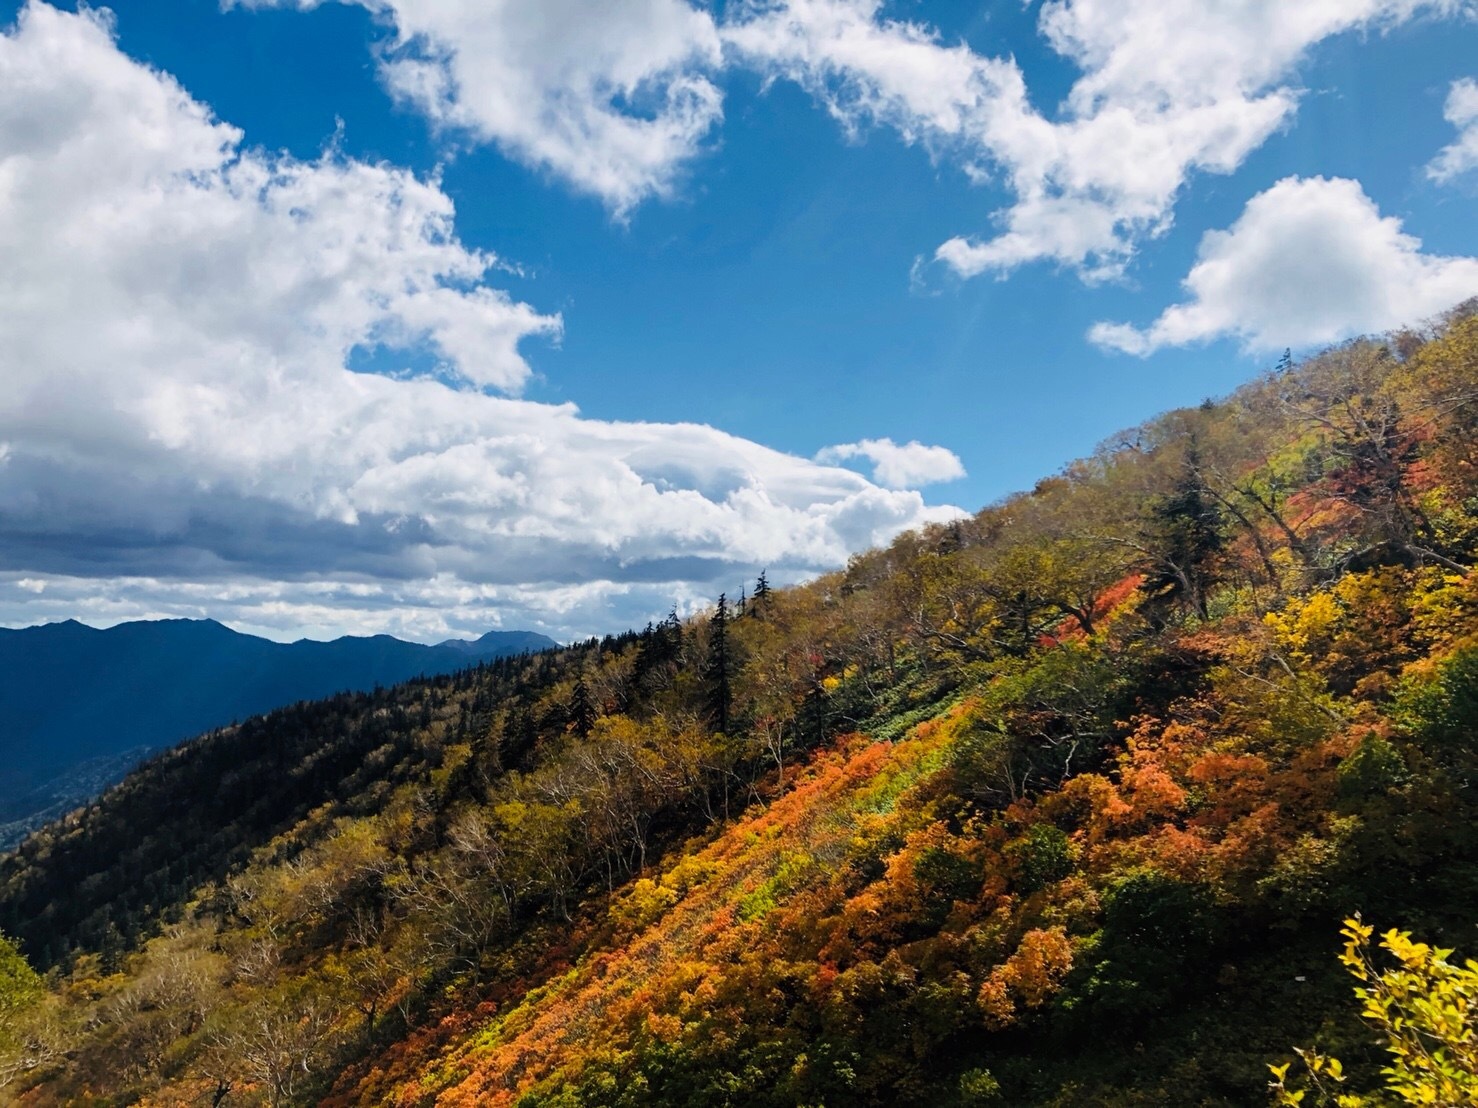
(1166, 91)
(619, 99)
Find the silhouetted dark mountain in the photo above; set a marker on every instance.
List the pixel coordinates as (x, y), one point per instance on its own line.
(74, 698)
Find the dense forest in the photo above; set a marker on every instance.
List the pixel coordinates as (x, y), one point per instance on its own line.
(1061, 804)
(153, 683)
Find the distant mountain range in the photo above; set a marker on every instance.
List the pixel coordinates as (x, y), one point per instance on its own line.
(80, 706)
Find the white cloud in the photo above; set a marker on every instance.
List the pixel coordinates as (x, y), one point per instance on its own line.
(124, 205)
(1309, 261)
(429, 610)
(1166, 90)
(613, 97)
(899, 467)
(179, 313)
(618, 98)
(1461, 110)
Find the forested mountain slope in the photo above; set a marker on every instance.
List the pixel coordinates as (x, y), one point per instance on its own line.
(74, 694)
(1058, 805)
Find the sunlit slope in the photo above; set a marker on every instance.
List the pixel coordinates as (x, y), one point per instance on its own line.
(676, 943)
(1061, 804)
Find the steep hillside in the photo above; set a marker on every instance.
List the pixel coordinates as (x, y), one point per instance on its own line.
(76, 699)
(1058, 805)
(101, 877)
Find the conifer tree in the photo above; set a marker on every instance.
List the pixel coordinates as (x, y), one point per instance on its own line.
(582, 710)
(718, 668)
(1185, 533)
(761, 595)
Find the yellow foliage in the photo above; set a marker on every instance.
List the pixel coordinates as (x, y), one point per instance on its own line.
(1305, 627)
(1426, 1009)
(645, 903)
(1443, 606)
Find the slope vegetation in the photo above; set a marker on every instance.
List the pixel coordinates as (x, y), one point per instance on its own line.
(1058, 805)
(76, 698)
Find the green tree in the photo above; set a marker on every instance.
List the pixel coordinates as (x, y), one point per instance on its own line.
(761, 598)
(718, 672)
(582, 710)
(24, 1042)
(1184, 535)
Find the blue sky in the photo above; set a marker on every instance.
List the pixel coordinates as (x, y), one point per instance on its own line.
(732, 218)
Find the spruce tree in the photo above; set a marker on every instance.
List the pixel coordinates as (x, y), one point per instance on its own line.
(718, 667)
(761, 599)
(1184, 535)
(582, 710)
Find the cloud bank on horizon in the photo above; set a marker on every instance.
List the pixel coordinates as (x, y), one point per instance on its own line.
(182, 428)
(180, 424)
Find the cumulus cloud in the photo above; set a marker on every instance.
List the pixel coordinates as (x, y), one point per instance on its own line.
(613, 97)
(1166, 90)
(1461, 156)
(618, 98)
(1309, 261)
(178, 413)
(899, 467)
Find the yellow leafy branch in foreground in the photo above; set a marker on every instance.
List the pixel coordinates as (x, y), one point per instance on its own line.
(1424, 1006)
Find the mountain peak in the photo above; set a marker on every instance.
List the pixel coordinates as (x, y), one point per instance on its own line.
(492, 643)
(153, 683)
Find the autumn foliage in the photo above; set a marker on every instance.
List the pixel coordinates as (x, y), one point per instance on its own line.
(1055, 805)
